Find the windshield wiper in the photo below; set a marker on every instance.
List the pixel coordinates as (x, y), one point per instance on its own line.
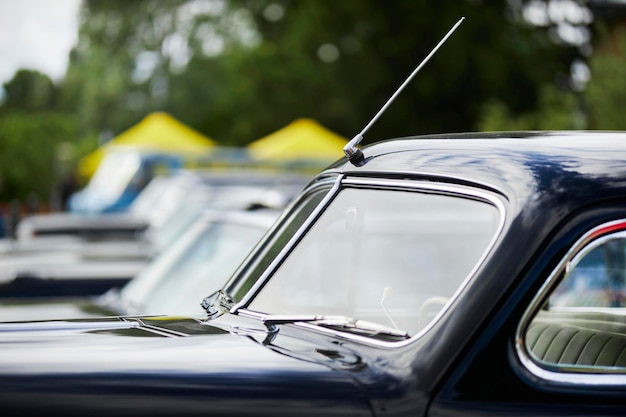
(341, 323)
(217, 303)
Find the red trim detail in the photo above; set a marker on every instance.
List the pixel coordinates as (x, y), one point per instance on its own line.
(608, 229)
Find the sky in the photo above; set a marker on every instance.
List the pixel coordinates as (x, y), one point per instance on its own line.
(38, 35)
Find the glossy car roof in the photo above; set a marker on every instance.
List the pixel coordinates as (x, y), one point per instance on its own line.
(518, 165)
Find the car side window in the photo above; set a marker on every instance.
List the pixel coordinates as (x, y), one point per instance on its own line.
(581, 328)
(597, 279)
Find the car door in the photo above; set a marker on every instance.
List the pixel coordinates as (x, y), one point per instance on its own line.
(558, 344)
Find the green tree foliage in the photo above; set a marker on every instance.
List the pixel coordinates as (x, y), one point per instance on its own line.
(237, 70)
(489, 57)
(29, 153)
(339, 62)
(127, 53)
(556, 110)
(38, 142)
(29, 91)
(598, 106)
(606, 93)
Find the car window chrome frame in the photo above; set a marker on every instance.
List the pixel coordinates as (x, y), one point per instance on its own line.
(416, 185)
(293, 241)
(566, 375)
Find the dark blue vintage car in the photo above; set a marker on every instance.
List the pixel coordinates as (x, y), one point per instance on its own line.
(440, 275)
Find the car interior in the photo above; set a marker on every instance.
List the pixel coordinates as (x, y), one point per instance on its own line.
(582, 328)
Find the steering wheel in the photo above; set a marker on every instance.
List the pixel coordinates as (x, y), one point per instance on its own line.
(429, 309)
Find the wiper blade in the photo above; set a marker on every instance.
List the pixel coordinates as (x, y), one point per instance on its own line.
(342, 323)
(217, 303)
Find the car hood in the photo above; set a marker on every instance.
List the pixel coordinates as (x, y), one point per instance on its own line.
(10, 246)
(165, 363)
(64, 278)
(61, 264)
(46, 248)
(150, 343)
(24, 309)
(74, 222)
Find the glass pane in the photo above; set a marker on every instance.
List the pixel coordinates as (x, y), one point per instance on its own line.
(204, 268)
(583, 326)
(114, 174)
(597, 280)
(415, 248)
(197, 265)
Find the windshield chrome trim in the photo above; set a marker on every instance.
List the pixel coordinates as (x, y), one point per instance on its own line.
(588, 241)
(460, 191)
(293, 241)
(424, 186)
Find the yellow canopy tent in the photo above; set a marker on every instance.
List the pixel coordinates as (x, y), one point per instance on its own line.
(156, 132)
(301, 141)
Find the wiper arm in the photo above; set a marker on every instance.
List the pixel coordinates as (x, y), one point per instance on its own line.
(346, 324)
(217, 303)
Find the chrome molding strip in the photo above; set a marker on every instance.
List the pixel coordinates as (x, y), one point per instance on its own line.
(161, 330)
(290, 244)
(590, 376)
(424, 186)
(374, 183)
(77, 326)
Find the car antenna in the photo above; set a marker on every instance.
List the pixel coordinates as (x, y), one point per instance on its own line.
(354, 154)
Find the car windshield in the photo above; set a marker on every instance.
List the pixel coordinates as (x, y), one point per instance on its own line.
(414, 249)
(114, 174)
(197, 265)
(163, 236)
(161, 199)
